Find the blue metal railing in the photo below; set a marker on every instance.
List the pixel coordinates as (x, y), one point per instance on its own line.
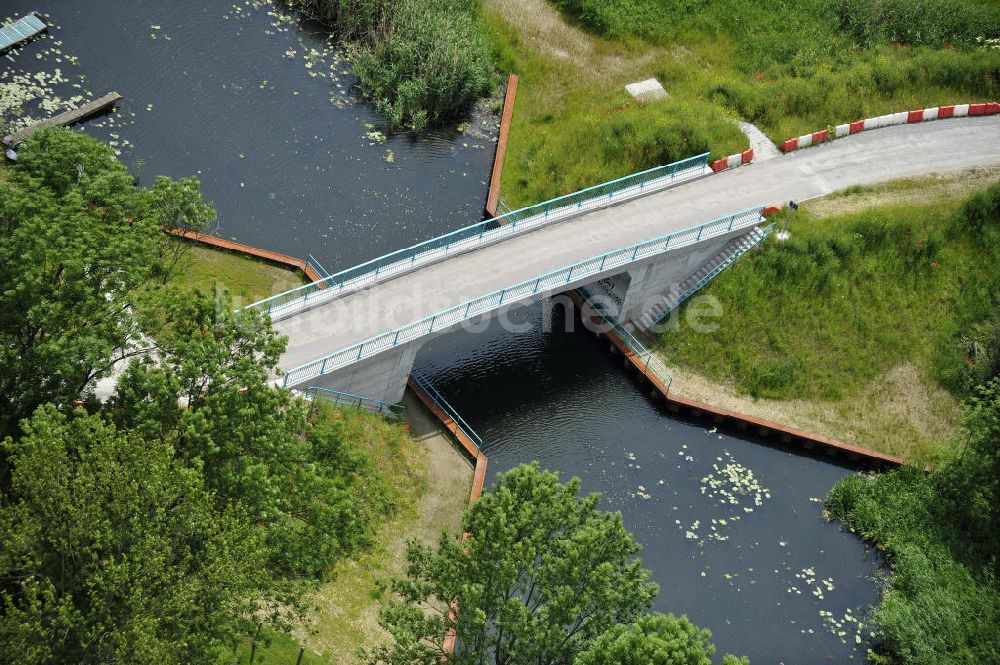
(651, 363)
(314, 263)
(359, 401)
(557, 279)
(491, 230)
(439, 401)
(694, 288)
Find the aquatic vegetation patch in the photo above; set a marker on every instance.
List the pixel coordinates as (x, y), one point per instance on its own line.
(731, 482)
(848, 628)
(730, 485)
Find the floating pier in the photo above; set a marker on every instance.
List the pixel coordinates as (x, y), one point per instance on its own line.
(21, 30)
(67, 118)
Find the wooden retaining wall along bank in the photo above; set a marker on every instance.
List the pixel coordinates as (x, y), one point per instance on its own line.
(493, 196)
(478, 480)
(265, 254)
(766, 428)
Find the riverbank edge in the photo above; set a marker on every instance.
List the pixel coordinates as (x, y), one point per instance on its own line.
(506, 117)
(240, 248)
(478, 480)
(479, 477)
(785, 434)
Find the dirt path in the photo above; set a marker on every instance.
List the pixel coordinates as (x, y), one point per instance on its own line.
(541, 26)
(449, 478)
(897, 413)
(910, 191)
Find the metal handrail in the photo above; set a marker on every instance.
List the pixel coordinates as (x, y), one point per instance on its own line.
(731, 259)
(350, 399)
(491, 230)
(439, 401)
(556, 279)
(652, 362)
(314, 263)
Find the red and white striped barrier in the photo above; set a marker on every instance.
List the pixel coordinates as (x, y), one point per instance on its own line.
(805, 140)
(890, 119)
(732, 161)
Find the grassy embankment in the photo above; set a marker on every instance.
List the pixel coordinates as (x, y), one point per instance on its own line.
(247, 279)
(435, 493)
(860, 324)
(392, 471)
(790, 68)
(940, 533)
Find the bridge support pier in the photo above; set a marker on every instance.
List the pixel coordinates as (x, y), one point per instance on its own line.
(382, 377)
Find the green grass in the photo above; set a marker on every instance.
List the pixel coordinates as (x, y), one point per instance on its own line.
(847, 298)
(574, 126)
(248, 279)
(276, 649)
(434, 485)
(790, 68)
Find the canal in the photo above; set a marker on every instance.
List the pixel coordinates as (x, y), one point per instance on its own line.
(266, 113)
(731, 526)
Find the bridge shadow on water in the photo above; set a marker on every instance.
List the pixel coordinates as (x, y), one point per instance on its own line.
(731, 524)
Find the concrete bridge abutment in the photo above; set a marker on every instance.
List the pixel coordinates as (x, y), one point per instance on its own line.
(639, 287)
(382, 377)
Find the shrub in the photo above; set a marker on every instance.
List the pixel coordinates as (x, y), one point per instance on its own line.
(940, 533)
(981, 211)
(423, 62)
(426, 66)
(927, 22)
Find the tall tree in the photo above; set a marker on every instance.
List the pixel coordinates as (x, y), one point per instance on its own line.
(78, 243)
(114, 552)
(542, 573)
(207, 394)
(654, 639)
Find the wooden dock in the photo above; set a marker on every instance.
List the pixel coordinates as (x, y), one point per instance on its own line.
(21, 30)
(67, 118)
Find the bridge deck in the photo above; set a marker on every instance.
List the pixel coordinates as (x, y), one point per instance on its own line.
(864, 159)
(21, 30)
(66, 118)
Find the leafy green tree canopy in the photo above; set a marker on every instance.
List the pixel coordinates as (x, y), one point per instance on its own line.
(114, 552)
(654, 639)
(542, 573)
(78, 242)
(207, 395)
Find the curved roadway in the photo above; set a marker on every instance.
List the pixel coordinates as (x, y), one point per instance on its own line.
(863, 159)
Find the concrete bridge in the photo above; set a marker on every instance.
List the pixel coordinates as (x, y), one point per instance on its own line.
(361, 335)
